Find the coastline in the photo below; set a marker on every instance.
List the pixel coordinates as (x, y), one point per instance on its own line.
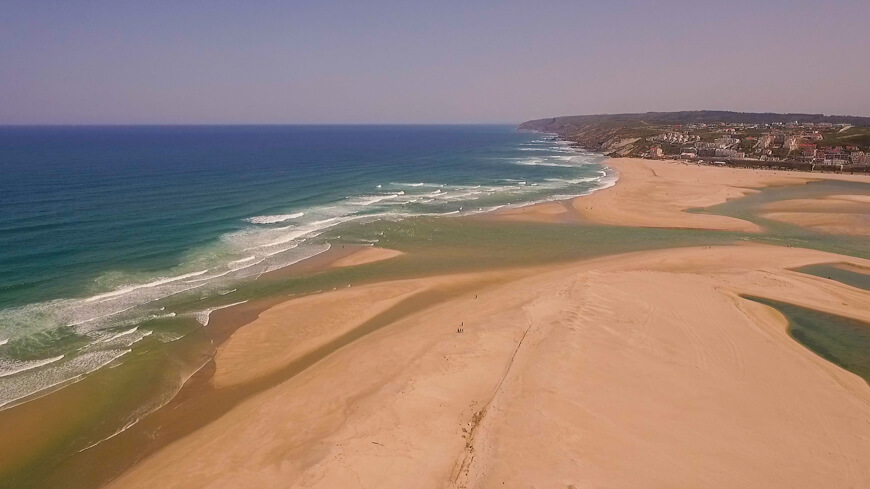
(259, 360)
(184, 269)
(671, 192)
(377, 394)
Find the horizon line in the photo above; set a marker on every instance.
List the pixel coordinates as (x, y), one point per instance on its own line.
(227, 124)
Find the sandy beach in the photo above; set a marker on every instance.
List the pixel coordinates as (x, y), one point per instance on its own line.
(653, 193)
(645, 369)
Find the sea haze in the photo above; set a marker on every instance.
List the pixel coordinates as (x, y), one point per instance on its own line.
(96, 223)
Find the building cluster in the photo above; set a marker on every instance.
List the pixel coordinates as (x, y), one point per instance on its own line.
(837, 155)
(796, 142)
(675, 138)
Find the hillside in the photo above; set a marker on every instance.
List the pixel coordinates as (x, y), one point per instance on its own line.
(638, 134)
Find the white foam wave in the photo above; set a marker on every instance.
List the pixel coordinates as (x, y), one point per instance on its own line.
(170, 337)
(286, 238)
(277, 252)
(233, 270)
(92, 319)
(119, 335)
(12, 367)
(60, 373)
(310, 252)
(467, 195)
(374, 199)
(202, 317)
(121, 339)
(573, 181)
(243, 260)
(275, 218)
(542, 162)
(127, 290)
(126, 427)
(418, 184)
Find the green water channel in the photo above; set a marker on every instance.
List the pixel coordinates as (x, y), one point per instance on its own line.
(840, 340)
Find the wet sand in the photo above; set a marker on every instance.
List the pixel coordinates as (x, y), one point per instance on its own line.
(646, 369)
(364, 256)
(547, 212)
(834, 214)
(224, 322)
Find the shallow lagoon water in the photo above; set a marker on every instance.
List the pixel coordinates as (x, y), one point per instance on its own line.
(784, 234)
(835, 271)
(840, 340)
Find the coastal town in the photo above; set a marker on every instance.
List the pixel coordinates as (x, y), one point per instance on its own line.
(807, 142)
(820, 146)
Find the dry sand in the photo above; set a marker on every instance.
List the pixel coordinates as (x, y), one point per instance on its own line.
(644, 370)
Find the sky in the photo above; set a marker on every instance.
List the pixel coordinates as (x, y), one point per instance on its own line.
(275, 62)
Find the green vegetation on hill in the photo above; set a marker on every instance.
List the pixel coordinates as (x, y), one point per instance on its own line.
(854, 136)
(766, 138)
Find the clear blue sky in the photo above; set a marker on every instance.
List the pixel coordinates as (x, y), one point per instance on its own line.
(448, 61)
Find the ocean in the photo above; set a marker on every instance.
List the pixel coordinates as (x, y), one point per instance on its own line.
(98, 225)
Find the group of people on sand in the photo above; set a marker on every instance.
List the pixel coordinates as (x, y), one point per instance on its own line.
(461, 328)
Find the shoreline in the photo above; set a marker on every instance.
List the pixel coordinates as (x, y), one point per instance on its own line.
(615, 209)
(548, 210)
(250, 243)
(568, 211)
(236, 330)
